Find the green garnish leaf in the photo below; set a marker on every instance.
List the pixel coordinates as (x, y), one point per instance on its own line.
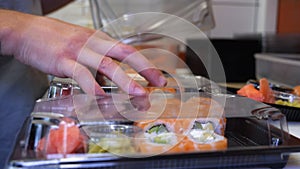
(160, 128)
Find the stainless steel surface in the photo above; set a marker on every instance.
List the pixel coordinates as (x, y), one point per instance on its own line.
(58, 88)
(268, 64)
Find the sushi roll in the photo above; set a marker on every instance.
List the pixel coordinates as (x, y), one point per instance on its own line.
(178, 136)
(160, 136)
(178, 126)
(197, 124)
(202, 137)
(200, 108)
(206, 110)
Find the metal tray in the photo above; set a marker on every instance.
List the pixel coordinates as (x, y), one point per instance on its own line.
(248, 146)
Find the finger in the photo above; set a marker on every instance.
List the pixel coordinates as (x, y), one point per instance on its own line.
(146, 69)
(103, 35)
(153, 77)
(81, 75)
(107, 46)
(128, 55)
(110, 69)
(141, 103)
(89, 58)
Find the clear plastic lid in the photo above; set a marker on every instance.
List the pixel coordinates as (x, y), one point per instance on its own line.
(85, 130)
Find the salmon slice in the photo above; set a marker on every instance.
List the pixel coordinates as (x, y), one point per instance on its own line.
(191, 145)
(172, 108)
(151, 89)
(266, 91)
(195, 107)
(250, 91)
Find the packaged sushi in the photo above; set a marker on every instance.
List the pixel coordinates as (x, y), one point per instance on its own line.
(201, 108)
(202, 137)
(160, 136)
(197, 124)
(204, 110)
(179, 135)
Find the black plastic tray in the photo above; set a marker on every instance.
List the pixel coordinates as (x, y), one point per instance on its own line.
(291, 113)
(248, 146)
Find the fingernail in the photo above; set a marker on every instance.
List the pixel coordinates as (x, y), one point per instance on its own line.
(162, 81)
(139, 91)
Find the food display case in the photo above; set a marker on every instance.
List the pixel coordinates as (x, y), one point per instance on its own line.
(178, 128)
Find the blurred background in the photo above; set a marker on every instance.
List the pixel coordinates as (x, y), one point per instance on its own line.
(240, 30)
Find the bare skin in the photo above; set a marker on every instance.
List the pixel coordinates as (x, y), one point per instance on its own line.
(67, 50)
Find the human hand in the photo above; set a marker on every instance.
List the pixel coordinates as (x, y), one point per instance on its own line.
(67, 50)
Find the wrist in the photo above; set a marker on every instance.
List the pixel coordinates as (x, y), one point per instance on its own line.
(11, 27)
(5, 27)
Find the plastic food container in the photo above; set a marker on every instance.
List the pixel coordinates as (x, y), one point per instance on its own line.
(114, 131)
(282, 69)
(283, 99)
(288, 104)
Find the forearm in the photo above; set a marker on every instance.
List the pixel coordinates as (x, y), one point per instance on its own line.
(6, 23)
(49, 6)
(14, 29)
(9, 22)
